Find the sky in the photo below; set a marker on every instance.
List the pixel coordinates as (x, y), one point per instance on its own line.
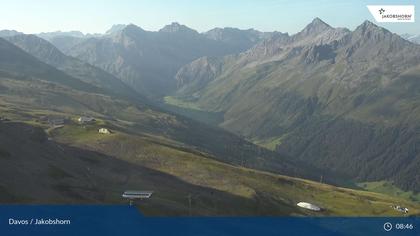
(97, 16)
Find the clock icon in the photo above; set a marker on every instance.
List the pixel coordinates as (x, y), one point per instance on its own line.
(387, 226)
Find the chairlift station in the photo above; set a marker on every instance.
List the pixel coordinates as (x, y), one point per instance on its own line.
(136, 195)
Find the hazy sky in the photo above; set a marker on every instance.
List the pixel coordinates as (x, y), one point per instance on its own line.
(96, 16)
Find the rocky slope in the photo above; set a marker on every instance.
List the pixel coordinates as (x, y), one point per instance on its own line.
(345, 101)
(47, 53)
(148, 61)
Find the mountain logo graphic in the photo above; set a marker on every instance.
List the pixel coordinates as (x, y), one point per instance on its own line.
(392, 13)
(381, 11)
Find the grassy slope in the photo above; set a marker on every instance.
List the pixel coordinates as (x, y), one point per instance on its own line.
(216, 188)
(389, 188)
(47, 172)
(270, 143)
(284, 103)
(133, 157)
(179, 103)
(267, 193)
(183, 108)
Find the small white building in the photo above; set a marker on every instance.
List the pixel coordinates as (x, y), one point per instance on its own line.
(309, 206)
(104, 131)
(85, 119)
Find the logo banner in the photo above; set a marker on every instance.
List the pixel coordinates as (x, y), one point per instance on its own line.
(392, 13)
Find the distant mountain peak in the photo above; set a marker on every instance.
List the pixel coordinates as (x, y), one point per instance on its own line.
(176, 27)
(317, 25)
(368, 23)
(319, 32)
(368, 26)
(8, 33)
(131, 29)
(115, 28)
(38, 47)
(30, 37)
(132, 26)
(73, 33)
(318, 20)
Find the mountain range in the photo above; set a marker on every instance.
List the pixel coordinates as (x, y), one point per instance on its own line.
(327, 104)
(148, 60)
(341, 100)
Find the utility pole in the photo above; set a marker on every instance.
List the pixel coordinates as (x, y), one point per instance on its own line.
(189, 203)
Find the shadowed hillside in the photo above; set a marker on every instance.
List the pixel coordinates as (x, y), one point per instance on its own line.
(94, 170)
